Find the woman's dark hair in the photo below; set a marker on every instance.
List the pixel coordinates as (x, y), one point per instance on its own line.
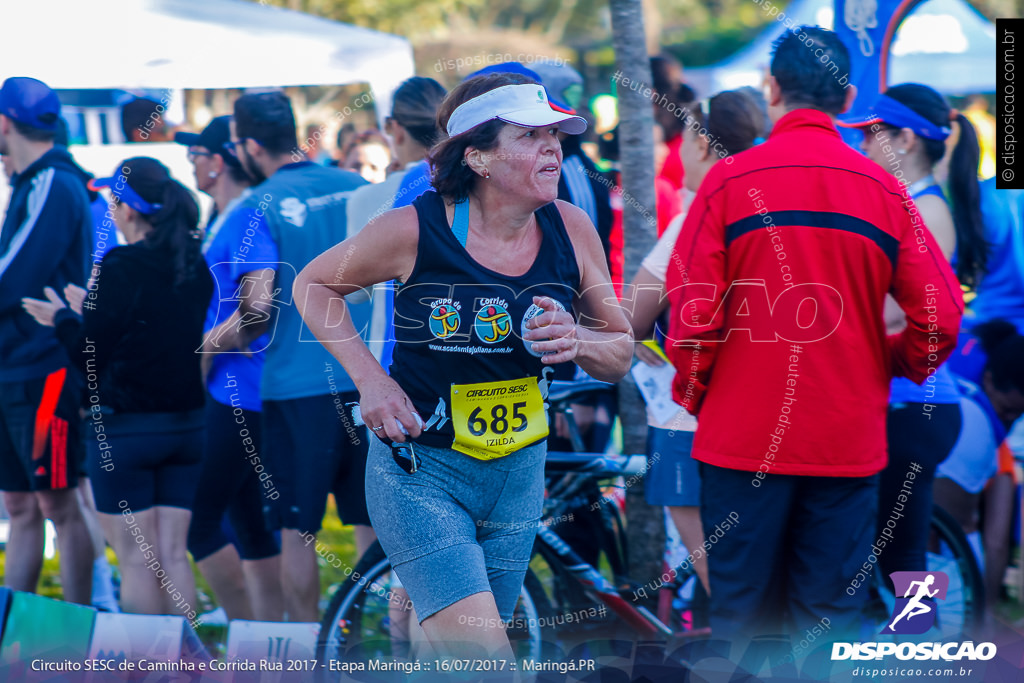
(451, 175)
(415, 108)
(268, 119)
(670, 109)
(1004, 346)
(964, 190)
(666, 73)
(734, 121)
(175, 225)
(809, 64)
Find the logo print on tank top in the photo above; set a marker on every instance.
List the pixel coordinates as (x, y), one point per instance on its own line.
(444, 318)
(493, 323)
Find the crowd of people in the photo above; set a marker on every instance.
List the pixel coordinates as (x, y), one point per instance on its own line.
(186, 390)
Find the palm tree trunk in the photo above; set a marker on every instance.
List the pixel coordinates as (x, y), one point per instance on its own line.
(639, 227)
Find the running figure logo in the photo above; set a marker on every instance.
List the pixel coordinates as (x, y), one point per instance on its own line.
(493, 322)
(914, 613)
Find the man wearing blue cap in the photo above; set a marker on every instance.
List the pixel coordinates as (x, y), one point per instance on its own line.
(244, 576)
(44, 242)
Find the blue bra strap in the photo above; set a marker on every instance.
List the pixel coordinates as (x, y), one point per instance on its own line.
(460, 222)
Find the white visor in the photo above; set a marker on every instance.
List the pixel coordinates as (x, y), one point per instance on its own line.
(523, 105)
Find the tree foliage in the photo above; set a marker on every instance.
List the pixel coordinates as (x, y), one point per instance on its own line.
(699, 32)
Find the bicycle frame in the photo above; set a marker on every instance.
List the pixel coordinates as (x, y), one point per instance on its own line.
(560, 556)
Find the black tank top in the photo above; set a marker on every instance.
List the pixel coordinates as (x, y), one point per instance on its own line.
(457, 322)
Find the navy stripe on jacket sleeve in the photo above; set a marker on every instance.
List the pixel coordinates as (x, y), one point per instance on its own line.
(830, 220)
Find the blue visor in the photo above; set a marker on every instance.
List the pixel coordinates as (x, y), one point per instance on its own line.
(888, 111)
(120, 188)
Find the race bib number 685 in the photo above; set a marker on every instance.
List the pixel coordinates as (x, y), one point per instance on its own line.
(494, 419)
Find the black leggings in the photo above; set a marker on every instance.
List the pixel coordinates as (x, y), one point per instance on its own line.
(924, 439)
(229, 484)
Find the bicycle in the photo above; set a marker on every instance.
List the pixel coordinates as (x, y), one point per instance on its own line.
(356, 625)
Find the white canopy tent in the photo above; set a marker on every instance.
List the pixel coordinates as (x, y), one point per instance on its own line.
(173, 45)
(197, 44)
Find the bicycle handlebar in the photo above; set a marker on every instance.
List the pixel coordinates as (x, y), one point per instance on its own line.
(595, 464)
(560, 391)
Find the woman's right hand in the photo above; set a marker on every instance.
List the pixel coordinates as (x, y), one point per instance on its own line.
(75, 296)
(383, 405)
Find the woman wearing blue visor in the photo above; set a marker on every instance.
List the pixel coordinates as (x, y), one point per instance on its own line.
(907, 135)
(134, 336)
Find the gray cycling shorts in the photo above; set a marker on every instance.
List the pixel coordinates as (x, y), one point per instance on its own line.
(457, 526)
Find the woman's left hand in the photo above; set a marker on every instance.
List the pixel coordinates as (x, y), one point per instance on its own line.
(44, 311)
(553, 333)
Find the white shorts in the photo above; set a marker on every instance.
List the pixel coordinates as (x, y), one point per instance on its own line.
(973, 460)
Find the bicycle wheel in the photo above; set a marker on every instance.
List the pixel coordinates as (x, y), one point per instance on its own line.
(357, 622)
(950, 552)
(362, 621)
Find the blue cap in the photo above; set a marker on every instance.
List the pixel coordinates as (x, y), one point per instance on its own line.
(517, 68)
(30, 102)
(888, 111)
(120, 188)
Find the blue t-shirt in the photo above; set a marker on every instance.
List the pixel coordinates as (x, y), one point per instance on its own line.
(303, 206)
(1001, 290)
(968, 363)
(940, 387)
(241, 244)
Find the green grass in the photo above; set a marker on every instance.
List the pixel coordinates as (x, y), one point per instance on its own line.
(337, 539)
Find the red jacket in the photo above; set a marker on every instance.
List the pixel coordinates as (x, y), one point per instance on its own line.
(790, 370)
(672, 170)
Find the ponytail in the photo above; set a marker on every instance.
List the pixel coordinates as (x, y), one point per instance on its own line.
(175, 229)
(965, 193)
(175, 224)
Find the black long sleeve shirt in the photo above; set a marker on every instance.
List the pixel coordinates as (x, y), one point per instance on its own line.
(137, 341)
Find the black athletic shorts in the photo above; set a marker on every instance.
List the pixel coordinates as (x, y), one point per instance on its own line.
(141, 460)
(312, 448)
(231, 482)
(40, 447)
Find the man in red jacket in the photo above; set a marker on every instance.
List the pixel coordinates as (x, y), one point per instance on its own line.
(777, 334)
